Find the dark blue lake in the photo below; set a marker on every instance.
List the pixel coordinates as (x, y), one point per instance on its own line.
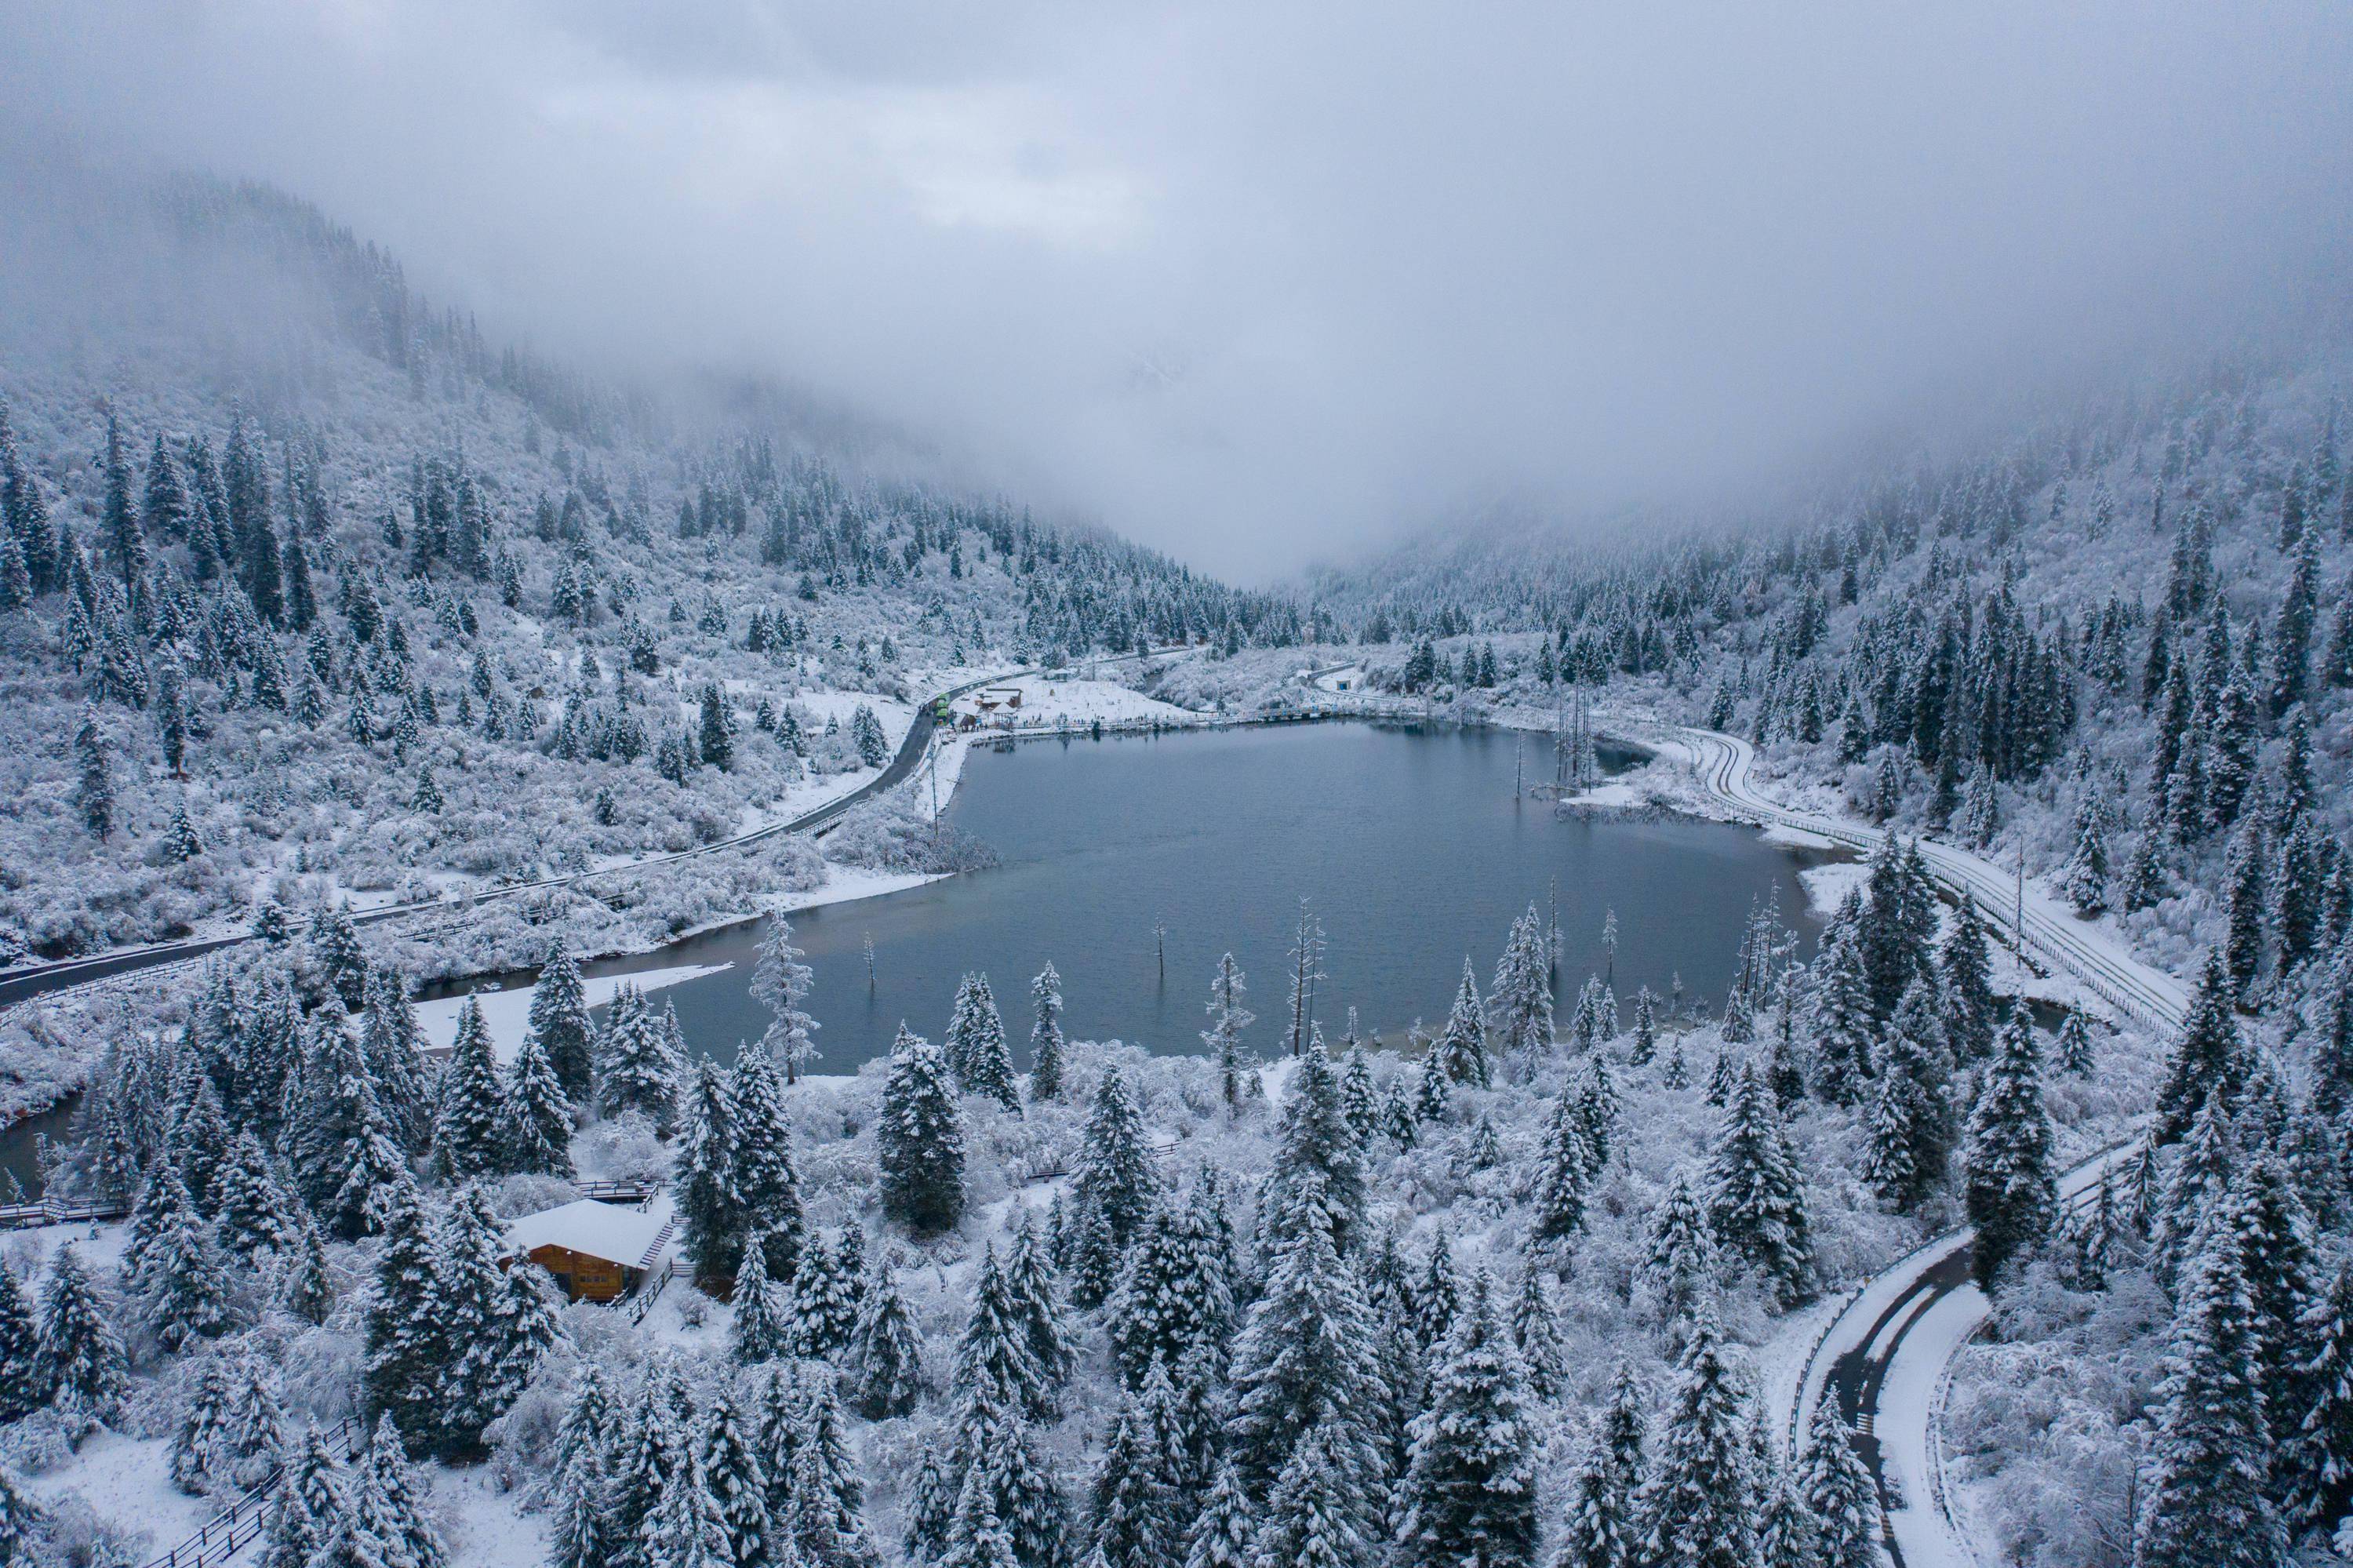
(1407, 841)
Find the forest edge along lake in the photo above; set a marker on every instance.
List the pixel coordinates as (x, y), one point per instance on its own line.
(1133, 862)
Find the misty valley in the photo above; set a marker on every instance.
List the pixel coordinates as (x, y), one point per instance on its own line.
(1187, 789)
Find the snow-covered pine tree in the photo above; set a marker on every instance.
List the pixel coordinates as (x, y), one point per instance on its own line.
(198, 1437)
(1603, 1529)
(305, 1291)
(346, 1151)
(1679, 1258)
(539, 1114)
(1304, 1374)
(1696, 1505)
(1223, 1531)
(2246, 885)
(738, 1487)
(986, 1060)
(579, 1528)
(1786, 1536)
(1566, 1174)
(766, 1182)
(2074, 1047)
(392, 1047)
(94, 792)
(645, 1456)
(309, 1508)
(1173, 1297)
(1132, 1511)
(1839, 1491)
(2208, 1055)
(1228, 1018)
(1520, 999)
(993, 1364)
(2320, 1454)
(761, 1329)
(1028, 1273)
(1911, 1131)
(2011, 1192)
(782, 983)
(2083, 881)
(1469, 1490)
(1965, 966)
(1461, 1049)
(561, 1024)
(469, 1128)
(1046, 1044)
(1360, 1101)
(686, 1529)
(254, 1212)
(182, 1285)
(1315, 1154)
(256, 1436)
(1536, 1333)
(1756, 1205)
(885, 1361)
(2145, 874)
(498, 1321)
(824, 1302)
(974, 1536)
(81, 1368)
(2281, 1265)
(919, 1141)
(1313, 1517)
(389, 1525)
(1115, 1176)
(404, 1331)
(1844, 1023)
(1433, 1094)
(711, 1215)
(20, 1347)
(636, 1069)
(2207, 1504)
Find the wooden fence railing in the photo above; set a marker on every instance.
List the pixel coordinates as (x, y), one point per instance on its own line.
(227, 1533)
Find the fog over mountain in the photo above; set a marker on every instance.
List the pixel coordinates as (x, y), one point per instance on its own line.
(1268, 284)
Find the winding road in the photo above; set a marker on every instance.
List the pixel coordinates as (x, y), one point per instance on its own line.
(1886, 1351)
(45, 979)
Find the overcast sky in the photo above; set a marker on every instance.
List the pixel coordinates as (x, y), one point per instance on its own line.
(1261, 283)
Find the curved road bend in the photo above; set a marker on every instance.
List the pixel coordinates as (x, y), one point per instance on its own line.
(46, 980)
(1886, 1354)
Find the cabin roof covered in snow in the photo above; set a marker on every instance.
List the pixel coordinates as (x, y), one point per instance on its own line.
(627, 1235)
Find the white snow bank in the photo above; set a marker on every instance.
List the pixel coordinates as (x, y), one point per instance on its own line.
(1048, 705)
(1827, 885)
(506, 1013)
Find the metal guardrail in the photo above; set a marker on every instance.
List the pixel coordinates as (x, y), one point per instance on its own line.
(227, 1533)
(30, 1216)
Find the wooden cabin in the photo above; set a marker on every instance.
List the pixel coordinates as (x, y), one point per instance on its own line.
(597, 1252)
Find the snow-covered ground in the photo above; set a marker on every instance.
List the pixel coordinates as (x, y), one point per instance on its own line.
(1050, 704)
(506, 1013)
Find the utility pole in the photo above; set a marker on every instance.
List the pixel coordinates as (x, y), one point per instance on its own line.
(2018, 907)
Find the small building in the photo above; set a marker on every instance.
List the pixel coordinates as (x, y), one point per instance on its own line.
(597, 1252)
(1000, 696)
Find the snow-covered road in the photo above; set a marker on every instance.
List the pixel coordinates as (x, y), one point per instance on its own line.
(1888, 1351)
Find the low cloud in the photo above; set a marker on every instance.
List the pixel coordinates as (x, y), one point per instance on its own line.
(1266, 283)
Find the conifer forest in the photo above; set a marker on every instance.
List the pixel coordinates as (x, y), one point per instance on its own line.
(497, 505)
